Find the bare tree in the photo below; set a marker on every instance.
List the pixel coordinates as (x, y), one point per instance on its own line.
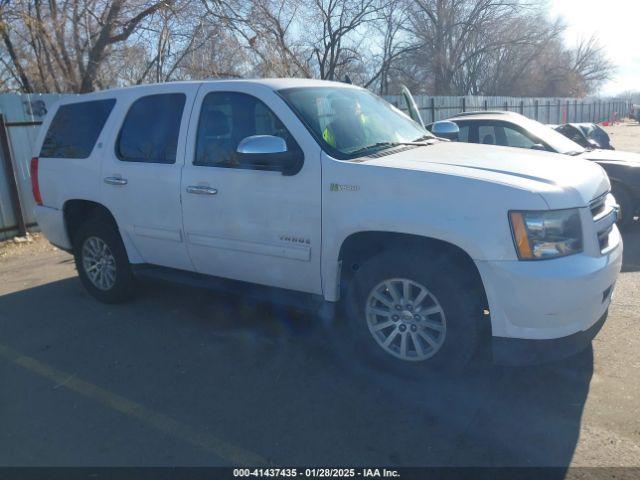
(511, 65)
(453, 34)
(279, 51)
(589, 63)
(394, 44)
(338, 23)
(13, 65)
(506, 47)
(63, 44)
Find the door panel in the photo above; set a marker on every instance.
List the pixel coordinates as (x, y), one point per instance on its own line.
(259, 226)
(142, 168)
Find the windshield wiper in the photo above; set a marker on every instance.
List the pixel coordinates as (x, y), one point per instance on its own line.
(425, 137)
(382, 145)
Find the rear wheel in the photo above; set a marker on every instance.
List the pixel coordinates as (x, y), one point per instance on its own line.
(102, 262)
(412, 314)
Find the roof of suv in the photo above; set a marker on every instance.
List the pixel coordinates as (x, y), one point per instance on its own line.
(272, 83)
(484, 115)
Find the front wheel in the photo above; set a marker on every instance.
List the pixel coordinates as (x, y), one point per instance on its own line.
(411, 313)
(102, 262)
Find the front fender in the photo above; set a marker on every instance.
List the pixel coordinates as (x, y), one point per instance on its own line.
(468, 213)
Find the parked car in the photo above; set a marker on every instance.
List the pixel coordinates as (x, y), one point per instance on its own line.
(514, 130)
(635, 112)
(587, 135)
(319, 190)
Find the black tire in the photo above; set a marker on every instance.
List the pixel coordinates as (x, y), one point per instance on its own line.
(102, 227)
(627, 210)
(453, 287)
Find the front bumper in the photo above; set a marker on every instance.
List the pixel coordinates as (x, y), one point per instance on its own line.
(550, 299)
(518, 351)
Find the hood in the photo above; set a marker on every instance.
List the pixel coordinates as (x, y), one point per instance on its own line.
(612, 156)
(562, 181)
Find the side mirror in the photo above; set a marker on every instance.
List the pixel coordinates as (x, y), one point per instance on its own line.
(268, 152)
(446, 129)
(262, 144)
(538, 146)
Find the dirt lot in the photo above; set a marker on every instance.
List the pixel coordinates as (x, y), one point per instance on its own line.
(625, 135)
(186, 377)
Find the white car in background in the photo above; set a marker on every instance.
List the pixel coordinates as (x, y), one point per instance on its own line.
(510, 129)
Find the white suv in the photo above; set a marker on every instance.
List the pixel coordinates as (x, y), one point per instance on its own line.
(326, 190)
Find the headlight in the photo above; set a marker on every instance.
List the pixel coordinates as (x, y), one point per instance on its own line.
(546, 234)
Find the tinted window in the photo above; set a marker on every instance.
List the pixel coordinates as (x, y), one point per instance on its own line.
(487, 134)
(75, 128)
(226, 119)
(151, 128)
(463, 136)
(517, 139)
(504, 136)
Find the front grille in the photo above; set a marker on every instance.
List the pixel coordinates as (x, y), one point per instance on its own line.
(598, 206)
(604, 216)
(603, 238)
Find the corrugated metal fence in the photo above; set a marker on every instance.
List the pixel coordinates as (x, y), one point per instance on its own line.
(545, 110)
(21, 115)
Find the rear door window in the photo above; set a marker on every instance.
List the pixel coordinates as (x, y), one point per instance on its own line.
(75, 128)
(151, 129)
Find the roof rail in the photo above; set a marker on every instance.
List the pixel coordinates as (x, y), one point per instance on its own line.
(483, 112)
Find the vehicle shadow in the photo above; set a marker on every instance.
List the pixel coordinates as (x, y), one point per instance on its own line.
(268, 379)
(631, 256)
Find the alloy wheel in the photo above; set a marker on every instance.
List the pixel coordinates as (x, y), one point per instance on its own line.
(99, 263)
(405, 319)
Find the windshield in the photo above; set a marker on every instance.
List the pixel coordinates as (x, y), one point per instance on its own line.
(551, 137)
(348, 121)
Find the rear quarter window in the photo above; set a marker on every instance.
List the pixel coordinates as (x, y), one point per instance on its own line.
(75, 128)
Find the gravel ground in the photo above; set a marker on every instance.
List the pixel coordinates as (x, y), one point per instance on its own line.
(33, 243)
(625, 135)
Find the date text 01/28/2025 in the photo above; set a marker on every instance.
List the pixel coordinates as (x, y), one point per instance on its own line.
(315, 472)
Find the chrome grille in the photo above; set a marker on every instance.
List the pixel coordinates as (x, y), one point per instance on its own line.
(604, 216)
(603, 238)
(598, 206)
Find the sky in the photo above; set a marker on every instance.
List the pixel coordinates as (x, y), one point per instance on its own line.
(617, 25)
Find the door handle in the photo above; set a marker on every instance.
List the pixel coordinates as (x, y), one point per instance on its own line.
(201, 190)
(115, 181)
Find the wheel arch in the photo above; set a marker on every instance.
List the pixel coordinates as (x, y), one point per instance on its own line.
(77, 211)
(358, 247)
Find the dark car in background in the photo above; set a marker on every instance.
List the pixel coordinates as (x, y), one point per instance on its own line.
(511, 129)
(587, 135)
